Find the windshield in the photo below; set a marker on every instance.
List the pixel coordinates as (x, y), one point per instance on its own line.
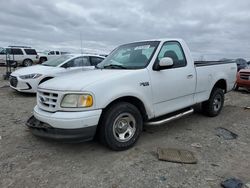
(130, 56)
(57, 61)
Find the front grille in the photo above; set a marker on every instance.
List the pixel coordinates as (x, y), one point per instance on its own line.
(47, 100)
(13, 81)
(245, 75)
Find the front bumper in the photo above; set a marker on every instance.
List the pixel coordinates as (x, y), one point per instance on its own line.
(23, 86)
(64, 125)
(243, 83)
(44, 130)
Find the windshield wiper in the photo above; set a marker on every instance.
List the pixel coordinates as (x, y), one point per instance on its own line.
(114, 66)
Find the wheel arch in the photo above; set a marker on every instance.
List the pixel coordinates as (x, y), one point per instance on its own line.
(222, 84)
(45, 79)
(132, 100)
(43, 57)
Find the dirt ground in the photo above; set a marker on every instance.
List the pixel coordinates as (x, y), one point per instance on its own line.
(28, 161)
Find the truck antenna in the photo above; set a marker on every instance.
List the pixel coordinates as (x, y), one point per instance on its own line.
(81, 42)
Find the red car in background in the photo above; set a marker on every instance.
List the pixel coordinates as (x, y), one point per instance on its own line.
(243, 79)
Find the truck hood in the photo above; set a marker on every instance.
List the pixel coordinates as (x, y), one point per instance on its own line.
(80, 80)
(39, 69)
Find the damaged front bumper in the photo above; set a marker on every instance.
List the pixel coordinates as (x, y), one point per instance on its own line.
(45, 130)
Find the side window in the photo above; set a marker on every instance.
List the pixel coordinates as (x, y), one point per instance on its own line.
(2, 51)
(51, 53)
(30, 51)
(57, 53)
(16, 51)
(79, 62)
(95, 60)
(174, 51)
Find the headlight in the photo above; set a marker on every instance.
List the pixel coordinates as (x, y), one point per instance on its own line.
(77, 101)
(30, 76)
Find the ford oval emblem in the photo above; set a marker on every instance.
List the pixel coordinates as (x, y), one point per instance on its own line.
(43, 99)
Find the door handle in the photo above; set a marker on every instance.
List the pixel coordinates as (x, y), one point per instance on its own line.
(190, 76)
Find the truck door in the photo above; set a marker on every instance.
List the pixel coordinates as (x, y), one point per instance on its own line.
(173, 88)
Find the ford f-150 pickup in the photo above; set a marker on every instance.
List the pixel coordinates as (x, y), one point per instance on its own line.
(142, 83)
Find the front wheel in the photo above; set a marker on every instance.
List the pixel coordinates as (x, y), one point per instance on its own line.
(27, 62)
(120, 126)
(42, 60)
(214, 105)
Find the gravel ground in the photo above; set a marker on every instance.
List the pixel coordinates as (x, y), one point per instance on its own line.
(28, 161)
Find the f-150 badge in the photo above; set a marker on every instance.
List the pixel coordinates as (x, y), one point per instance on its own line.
(144, 84)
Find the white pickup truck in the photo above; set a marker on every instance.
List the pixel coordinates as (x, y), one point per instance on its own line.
(48, 55)
(142, 83)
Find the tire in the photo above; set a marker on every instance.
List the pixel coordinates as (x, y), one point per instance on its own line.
(42, 60)
(236, 87)
(120, 126)
(214, 105)
(27, 62)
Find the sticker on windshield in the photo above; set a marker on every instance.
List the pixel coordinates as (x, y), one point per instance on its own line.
(142, 47)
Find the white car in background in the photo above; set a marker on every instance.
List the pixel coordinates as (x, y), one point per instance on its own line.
(27, 79)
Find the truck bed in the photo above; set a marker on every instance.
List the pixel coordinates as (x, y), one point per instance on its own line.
(209, 72)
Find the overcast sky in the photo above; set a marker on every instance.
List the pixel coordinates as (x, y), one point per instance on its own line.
(213, 29)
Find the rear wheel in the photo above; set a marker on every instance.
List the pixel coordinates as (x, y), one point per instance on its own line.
(42, 60)
(27, 62)
(120, 126)
(214, 105)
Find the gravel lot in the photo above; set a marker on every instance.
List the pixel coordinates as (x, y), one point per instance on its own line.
(28, 161)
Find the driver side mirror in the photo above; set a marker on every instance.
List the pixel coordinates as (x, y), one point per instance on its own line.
(166, 62)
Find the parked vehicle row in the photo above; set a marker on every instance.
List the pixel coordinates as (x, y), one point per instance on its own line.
(149, 82)
(27, 79)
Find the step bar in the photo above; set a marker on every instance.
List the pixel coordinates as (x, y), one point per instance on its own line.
(174, 117)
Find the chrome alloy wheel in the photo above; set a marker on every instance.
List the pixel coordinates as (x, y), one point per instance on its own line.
(124, 127)
(217, 102)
